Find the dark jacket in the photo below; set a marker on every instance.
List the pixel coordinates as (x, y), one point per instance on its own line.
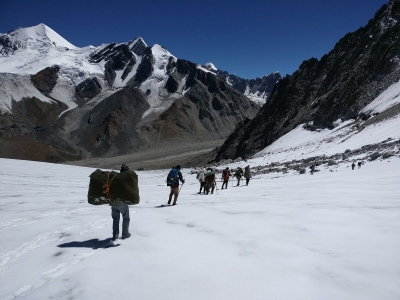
(226, 174)
(247, 173)
(239, 173)
(176, 184)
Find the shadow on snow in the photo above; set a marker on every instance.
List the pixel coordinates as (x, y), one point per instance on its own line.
(93, 243)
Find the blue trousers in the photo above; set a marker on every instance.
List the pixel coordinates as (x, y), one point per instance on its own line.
(116, 210)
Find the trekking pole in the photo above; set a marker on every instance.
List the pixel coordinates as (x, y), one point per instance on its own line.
(181, 187)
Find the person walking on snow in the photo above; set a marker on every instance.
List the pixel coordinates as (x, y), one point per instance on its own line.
(174, 176)
(359, 164)
(247, 174)
(353, 165)
(225, 178)
(238, 175)
(118, 208)
(209, 178)
(312, 168)
(200, 177)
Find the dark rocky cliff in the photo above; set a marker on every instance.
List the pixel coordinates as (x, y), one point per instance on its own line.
(361, 65)
(110, 127)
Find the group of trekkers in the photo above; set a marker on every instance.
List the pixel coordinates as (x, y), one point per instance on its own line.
(353, 165)
(206, 177)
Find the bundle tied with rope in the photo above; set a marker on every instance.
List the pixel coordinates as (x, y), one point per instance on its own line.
(113, 188)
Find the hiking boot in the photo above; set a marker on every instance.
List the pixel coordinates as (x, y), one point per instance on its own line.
(115, 237)
(174, 203)
(127, 236)
(169, 202)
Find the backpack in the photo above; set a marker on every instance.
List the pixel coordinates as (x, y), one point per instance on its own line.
(200, 176)
(225, 174)
(210, 172)
(173, 177)
(112, 187)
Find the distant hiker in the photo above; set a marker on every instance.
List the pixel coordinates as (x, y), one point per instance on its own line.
(174, 176)
(353, 166)
(118, 208)
(210, 181)
(359, 164)
(247, 174)
(225, 178)
(238, 174)
(200, 177)
(312, 169)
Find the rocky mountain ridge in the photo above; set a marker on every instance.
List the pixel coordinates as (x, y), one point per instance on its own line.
(72, 102)
(323, 93)
(258, 90)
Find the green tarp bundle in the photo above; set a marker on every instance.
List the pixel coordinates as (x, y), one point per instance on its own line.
(210, 178)
(113, 187)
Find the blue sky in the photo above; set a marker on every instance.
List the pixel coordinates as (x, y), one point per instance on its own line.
(247, 38)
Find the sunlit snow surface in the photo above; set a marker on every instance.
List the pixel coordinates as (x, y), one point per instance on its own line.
(387, 99)
(333, 235)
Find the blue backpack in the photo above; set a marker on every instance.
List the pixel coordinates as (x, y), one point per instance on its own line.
(173, 177)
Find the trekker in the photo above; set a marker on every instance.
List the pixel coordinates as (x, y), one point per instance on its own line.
(312, 169)
(118, 208)
(353, 165)
(200, 178)
(209, 180)
(247, 174)
(238, 175)
(225, 178)
(174, 176)
(359, 164)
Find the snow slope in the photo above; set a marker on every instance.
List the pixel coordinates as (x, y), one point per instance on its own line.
(17, 87)
(387, 99)
(333, 235)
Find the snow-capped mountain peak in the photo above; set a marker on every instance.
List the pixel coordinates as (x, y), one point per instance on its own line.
(137, 45)
(137, 40)
(159, 50)
(37, 36)
(210, 66)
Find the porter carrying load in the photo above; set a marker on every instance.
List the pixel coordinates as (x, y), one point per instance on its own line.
(113, 187)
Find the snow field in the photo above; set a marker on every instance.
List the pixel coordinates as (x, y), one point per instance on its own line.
(333, 235)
